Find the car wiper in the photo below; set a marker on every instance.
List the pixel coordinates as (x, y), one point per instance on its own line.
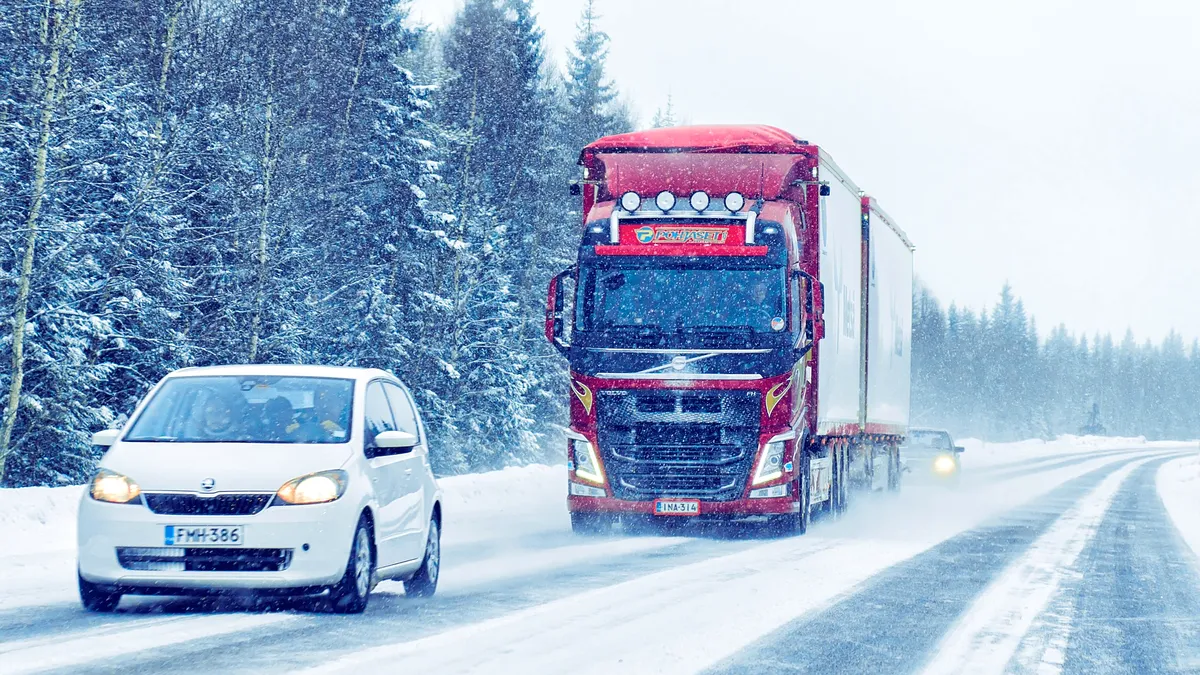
(154, 439)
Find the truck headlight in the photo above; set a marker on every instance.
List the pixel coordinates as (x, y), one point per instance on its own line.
(114, 488)
(587, 463)
(315, 488)
(944, 464)
(770, 464)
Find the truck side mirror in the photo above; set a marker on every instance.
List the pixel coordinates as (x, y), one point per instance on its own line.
(555, 316)
(958, 449)
(817, 290)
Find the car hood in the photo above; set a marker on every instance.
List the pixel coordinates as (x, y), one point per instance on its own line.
(234, 467)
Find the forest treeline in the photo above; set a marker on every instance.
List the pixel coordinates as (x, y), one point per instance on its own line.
(193, 182)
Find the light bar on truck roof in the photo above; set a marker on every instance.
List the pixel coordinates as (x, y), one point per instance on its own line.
(665, 201)
(631, 201)
(734, 201)
(699, 201)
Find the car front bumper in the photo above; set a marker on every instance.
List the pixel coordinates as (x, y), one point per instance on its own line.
(325, 530)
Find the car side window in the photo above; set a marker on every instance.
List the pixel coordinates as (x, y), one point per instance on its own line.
(377, 414)
(403, 409)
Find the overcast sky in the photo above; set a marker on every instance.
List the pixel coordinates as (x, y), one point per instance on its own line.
(1053, 144)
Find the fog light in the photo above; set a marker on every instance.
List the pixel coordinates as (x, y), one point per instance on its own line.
(770, 492)
(581, 490)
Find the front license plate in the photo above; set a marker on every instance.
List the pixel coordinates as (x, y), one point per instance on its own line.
(676, 507)
(208, 536)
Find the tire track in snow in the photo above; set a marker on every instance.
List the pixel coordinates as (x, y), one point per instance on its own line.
(890, 624)
(987, 637)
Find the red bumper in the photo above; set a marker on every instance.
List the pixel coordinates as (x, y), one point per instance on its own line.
(737, 509)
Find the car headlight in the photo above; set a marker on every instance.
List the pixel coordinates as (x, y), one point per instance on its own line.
(587, 463)
(114, 488)
(315, 488)
(944, 464)
(770, 464)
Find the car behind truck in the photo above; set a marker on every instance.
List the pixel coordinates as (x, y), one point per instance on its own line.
(737, 323)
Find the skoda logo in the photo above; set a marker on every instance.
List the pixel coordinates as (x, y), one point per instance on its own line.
(645, 234)
(208, 484)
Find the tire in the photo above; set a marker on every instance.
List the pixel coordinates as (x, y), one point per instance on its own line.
(97, 598)
(794, 524)
(589, 524)
(350, 594)
(893, 468)
(424, 583)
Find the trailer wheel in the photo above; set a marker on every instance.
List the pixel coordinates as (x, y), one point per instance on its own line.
(893, 468)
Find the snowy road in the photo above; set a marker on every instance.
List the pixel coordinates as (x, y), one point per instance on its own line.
(1070, 561)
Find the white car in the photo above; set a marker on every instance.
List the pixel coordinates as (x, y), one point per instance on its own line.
(292, 480)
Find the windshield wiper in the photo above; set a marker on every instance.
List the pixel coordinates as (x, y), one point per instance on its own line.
(716, 329)
(154, 439)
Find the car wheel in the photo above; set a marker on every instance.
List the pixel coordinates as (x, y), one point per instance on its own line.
(350, 594)
(424, 583)
(97, 598)
(590, 524)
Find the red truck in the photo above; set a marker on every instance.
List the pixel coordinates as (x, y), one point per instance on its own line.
(737, 324)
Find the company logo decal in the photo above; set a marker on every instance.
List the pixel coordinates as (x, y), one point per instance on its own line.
(675, 234)
(775, 395)
(584, 395)
(208, 485)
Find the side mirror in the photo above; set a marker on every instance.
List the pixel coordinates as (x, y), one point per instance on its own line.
(398, 440)
(106, 438)
(555, 316)
(815, 304)
(958, 449)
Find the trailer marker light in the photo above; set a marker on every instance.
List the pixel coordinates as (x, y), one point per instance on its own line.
(630, 201)
(700, 200)
(665, 201)
(734, 201)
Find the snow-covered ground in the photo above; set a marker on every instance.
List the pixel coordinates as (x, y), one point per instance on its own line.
(520, 593)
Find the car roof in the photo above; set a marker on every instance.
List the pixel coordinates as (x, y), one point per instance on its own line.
(276, 370)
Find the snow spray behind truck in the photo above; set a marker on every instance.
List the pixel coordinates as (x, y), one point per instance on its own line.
(737, 323)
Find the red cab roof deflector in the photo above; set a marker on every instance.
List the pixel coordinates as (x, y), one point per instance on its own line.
(753, 138)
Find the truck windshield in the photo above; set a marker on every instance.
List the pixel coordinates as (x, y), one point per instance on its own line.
(660, 301)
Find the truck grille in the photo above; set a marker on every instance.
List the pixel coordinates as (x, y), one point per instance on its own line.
(168, 559)
(171, 504)
(672, 443)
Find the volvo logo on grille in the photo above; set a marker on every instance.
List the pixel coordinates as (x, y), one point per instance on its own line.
(208, 484)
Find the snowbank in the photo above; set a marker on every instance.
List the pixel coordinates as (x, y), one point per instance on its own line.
(38, 519)
(981, 454)
(1179, 487)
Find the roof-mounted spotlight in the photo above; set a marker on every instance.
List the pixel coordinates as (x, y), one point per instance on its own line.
(734, 201)
(700, 201)
(630, 201)
(665, 201)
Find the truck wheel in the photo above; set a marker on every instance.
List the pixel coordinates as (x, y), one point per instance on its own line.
(796, 523)
(424, 583)
(97, 598)
(590, 524)
(350, 594)
(894, 468)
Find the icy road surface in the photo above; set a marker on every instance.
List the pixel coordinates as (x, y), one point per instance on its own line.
(1078, 556)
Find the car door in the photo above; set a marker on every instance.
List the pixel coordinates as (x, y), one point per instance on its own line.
(412, 509)
(388, 479)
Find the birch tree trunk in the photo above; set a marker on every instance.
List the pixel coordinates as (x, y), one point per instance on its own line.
(264, 219)
(58, 31)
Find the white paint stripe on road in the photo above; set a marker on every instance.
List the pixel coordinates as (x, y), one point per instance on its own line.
(89, 647)
(987, 636)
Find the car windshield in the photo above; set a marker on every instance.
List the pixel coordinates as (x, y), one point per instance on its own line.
(247, 409)
(927, 442)
(683, 300)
